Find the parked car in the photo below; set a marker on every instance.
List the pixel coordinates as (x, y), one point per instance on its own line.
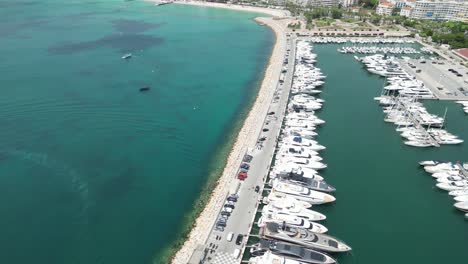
(239, 239)
(232, 199)
(257, 188)
(225, 213)
(247, 158)
(230, 236)
(229, 206)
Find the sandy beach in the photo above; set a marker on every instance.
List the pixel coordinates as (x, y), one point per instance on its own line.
(249, 132)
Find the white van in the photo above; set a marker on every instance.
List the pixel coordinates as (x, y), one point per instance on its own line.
(236, 253)
(230, 236)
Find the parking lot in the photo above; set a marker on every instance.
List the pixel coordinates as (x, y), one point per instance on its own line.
(446, 80)
(227, 239)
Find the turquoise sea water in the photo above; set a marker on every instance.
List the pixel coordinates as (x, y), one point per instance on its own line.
(91, 169)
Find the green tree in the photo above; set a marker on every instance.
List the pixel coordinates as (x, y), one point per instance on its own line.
(396, 11)
(375, 19)
(336, 13)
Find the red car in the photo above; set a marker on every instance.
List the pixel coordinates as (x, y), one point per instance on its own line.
(242, 176)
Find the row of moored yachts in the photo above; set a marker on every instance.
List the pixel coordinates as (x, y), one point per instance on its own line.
(450, 177)
(400, 81)
(289, 229)
(415, 123)
(376, 49)
(326, 40)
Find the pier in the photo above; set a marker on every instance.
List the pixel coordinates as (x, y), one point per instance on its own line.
(217, 250)
(416, 121)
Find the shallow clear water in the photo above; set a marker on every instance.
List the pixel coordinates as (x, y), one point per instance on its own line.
(91, 169)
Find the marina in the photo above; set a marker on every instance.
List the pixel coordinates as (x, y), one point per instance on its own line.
(290, 160)
(292, 202)
(294, 182)
(450, 177)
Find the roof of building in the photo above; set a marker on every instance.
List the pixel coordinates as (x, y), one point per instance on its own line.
(407, 8)
(387, 4)
(463, 52)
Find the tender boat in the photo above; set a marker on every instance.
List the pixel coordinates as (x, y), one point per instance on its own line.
(127, 56)
(145, 89)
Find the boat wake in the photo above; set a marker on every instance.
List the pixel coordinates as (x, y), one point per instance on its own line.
(79, 184)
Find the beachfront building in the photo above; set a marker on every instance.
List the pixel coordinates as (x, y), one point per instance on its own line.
(452, 10)
(323, 3)
(406, 11)
(403, 3)
(385, 8)
(348, 3)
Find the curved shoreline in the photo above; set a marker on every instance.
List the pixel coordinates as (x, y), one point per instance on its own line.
(247, 136)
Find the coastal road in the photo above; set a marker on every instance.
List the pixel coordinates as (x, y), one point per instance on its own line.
(218, 249)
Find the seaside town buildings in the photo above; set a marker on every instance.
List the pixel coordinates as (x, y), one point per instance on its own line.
(452, 10)
(348, 3)
(385, 8)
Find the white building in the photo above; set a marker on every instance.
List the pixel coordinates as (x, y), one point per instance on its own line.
(406, 11)
(322, 3)
(348, 3)
(441, 10)
(385, 8)
(402, 3)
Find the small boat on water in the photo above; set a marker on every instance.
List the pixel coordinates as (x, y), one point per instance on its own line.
(127, 56)
(292, 251)
(145, 89)
(462, 206)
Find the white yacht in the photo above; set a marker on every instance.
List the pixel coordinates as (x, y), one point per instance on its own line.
(282, 198)
(459, 192)
(293, 209)
(462, 206)
(461, 198)
(302, 193)
(452, 186)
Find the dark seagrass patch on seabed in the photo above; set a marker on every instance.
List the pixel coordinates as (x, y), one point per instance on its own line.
(128, 26)
(121, 42)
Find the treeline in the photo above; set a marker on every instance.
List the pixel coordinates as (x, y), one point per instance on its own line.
(321, 12)
(369, 3)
